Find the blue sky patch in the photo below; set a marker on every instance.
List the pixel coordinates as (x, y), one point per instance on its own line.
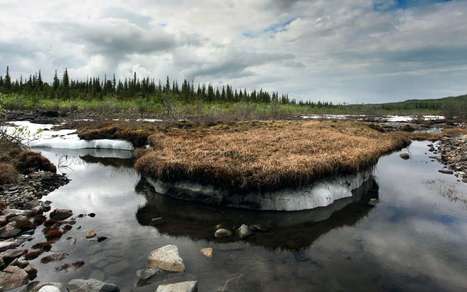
(389, 5)
(273, 28)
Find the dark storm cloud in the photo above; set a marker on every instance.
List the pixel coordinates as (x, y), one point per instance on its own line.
(236, 65)
(115, 38)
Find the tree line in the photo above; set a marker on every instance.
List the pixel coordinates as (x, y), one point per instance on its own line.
(66, 88)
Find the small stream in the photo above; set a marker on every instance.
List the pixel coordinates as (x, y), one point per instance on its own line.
(414, 239)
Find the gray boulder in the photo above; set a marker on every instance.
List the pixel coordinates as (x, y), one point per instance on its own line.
(188, 286)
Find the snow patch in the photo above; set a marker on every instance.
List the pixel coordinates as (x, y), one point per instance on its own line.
(42, 136)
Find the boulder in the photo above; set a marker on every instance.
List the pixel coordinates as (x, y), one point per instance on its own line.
(166, 258)
(91, 285)
(12, 277)
(222, 233)
(244, 231)
(8, 244)
(60, 214)
(49, 288)
(188, 286)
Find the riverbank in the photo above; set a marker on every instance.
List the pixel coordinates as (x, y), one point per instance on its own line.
(25, 177)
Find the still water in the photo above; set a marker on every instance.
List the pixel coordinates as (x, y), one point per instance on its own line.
(414, 239)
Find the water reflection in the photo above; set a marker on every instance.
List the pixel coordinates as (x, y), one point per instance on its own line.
(413, 240)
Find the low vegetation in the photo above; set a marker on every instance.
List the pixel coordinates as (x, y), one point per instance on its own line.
(15, 158)
(264, 156)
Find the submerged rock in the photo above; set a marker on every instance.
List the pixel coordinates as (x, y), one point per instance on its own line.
(60, 214)
(53, 257)
(147, 273)
(91, 285)
(222, 233)
(207, 252)
(166, 258)
(446, 171)
(91, 233)
(188, 286)
(404, 155)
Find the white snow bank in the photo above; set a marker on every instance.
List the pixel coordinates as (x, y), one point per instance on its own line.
(42, 136)
(390, 118)
(150, 120)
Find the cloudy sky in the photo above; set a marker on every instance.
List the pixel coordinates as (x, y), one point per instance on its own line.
(344, 51)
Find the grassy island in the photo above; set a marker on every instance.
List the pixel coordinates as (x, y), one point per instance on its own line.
(265, 155)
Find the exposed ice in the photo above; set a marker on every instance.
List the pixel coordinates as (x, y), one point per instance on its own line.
(42, 136)
(320, 194)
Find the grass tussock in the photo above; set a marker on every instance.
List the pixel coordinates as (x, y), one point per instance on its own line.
(265, 155)
(138, 136)
(29, 161)
(8, 174)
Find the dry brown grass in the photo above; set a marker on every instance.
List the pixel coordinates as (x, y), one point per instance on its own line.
(8, 174)
(137, 136)
(265, 155)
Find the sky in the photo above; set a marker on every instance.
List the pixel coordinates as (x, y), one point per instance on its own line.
(350, 51)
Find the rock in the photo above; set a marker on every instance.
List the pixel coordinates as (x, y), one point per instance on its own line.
(22, 222)
(10, 255)
(445, 171)
(91, 285)
(45, 246)
(145, 274)
(32, 272)
(373, 202)
(91, 233)
(222, 233)
(404, 155)
(60, 214)
(33, 254)
(243, 231)
(166, 258)
(258, 228)
(5, 245)
(49, 288)
(13, 277)
(53, 257)
(207, 252)
(101, 238)
(188, 286)
(9, 231)
(92, 215)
